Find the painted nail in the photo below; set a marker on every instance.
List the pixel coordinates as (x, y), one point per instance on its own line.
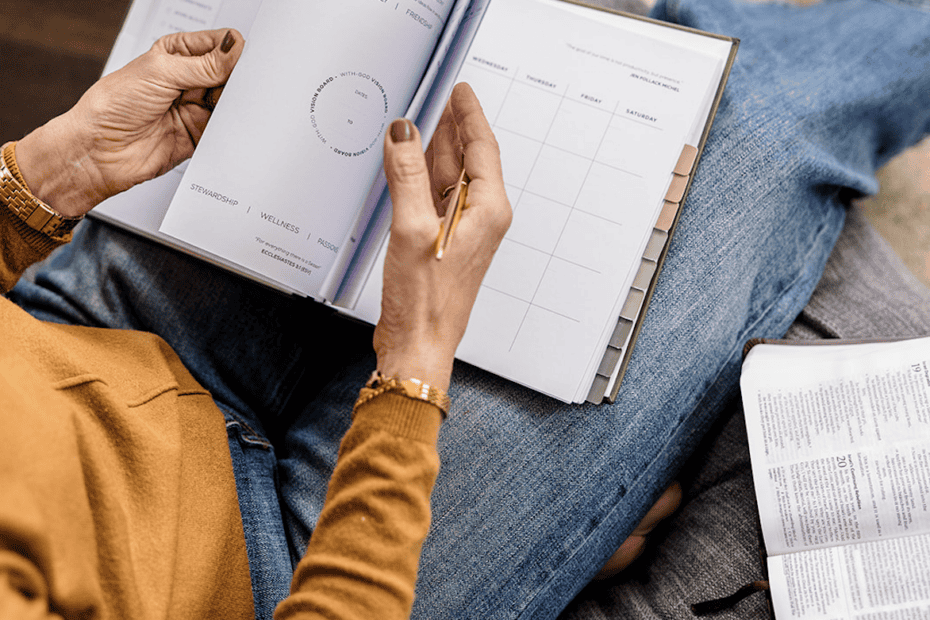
(228, 41)
(401, 130)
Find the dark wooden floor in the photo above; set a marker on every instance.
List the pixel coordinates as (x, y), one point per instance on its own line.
(51, 51)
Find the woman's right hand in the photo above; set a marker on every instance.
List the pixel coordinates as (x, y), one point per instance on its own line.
(131, 126)
(426, 302)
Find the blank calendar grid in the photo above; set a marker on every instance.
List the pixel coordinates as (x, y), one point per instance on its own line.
(565, 168)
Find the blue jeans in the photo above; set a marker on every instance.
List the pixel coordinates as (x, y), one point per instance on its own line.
(535, 495)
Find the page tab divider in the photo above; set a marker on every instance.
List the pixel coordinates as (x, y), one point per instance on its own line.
(647, 269)
(667, 216)
(655, 245)
(598, 390)
(686, 160)
(621, 331)
(634, 301)
(610, 361)
(676, 189)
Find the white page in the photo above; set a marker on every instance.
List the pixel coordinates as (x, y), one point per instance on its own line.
(591, 121)
(840, 441)
(290, 156)
(881, 580)
(141, 208)
(168, 16)
(710, 46)
(148, 20)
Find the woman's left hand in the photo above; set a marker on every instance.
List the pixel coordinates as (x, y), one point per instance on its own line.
(132, 125)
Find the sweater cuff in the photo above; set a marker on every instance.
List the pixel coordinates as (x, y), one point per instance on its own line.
(401, 416)
(20, 247)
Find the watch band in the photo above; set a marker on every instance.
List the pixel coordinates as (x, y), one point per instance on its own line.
(16, 196)
(411, 388)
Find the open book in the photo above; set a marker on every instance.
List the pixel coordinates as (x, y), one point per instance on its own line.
(600, 117)
(839, 437)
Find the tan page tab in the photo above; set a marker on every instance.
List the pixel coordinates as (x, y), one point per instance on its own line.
(647, 269)
(676, 189)
(686, 160)
(598, 390)
(667, 216)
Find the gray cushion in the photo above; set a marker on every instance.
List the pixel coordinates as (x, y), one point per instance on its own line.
(711, 546)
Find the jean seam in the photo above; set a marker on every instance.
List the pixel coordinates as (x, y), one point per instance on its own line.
(247, 434)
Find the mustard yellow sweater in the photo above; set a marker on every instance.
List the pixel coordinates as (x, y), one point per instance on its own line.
(117, 497)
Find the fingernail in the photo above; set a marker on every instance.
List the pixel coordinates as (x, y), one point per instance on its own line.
(401, 130)
(228, 41)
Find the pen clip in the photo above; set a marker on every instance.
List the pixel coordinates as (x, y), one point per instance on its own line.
(453, 214)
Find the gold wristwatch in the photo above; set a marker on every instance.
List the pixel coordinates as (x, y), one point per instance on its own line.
(17, 197)
(411, 388)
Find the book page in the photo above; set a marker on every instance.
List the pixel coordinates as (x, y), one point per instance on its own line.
(591, 118)
(881, 580)
(291, 154)
(840, 441)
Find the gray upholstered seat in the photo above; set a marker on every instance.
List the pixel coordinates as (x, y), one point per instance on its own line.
(711, 547)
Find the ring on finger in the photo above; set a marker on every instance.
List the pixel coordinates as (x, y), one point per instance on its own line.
(462, 182)
(444, 193)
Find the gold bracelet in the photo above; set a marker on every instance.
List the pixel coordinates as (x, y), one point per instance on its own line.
(15, 194)
(411, 388)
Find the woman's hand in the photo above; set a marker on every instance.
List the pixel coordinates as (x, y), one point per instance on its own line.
(131, 126)
(426, 302)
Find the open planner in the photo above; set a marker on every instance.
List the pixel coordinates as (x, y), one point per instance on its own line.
(600, 116)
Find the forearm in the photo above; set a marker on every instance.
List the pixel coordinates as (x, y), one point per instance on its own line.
(362, 559)
(54, 162)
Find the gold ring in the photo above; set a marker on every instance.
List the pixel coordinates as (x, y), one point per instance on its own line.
(444, 193)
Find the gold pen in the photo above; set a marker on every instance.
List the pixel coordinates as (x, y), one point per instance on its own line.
(453, 213)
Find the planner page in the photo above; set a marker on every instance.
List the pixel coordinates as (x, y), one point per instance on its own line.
(291, 153)
(591, 117)
(149, 20)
